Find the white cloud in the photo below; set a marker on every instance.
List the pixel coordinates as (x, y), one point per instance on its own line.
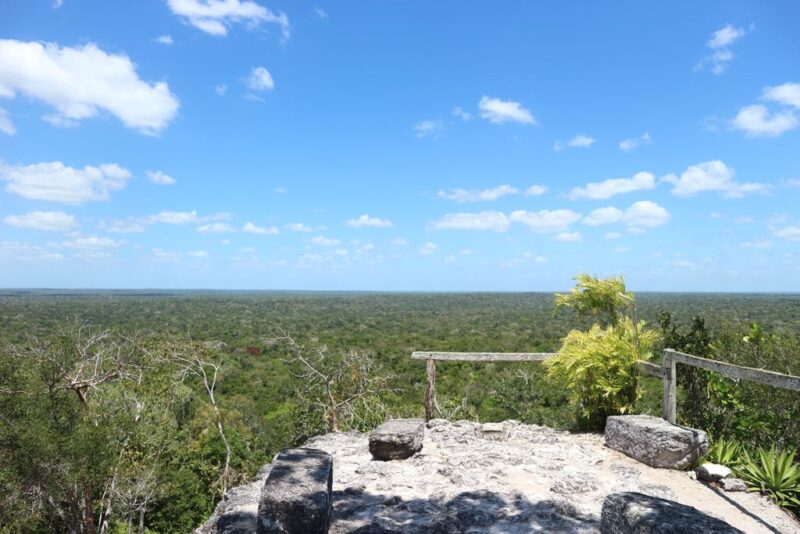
(501, 111)
(221, 89)
(601, 190)
(123, 226)
(91, 243)
(757, 121)
(57, 4)
(611, 236)
(569, 237)
(216, 228)
(428, 128)
(16, 251)
(173, 217)
(642, 214)
(602, 216)
(251, 228)
(160, 178)
(720, 43)
(790, 233)
(486, 220)
(260, 80)
(6, 125)
(787, 94)
(323, 241)
(626, 145)
(399, 242)
(463, 195)
(546, 220)
(536, 190)
(50, 221)
(725, 36)
(622, 250)
(645, 214)
(80, 82)
(711, 176)
(198, 253)
(320, 13)
(756, 244)
(579, 141)
(57, 182)
(216, 16)
(461, 114)
(428, 248)
(365, 221)
(299, 227)
(164, 40)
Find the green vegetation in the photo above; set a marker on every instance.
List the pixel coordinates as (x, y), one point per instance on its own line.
(776, 474)
(193, 391)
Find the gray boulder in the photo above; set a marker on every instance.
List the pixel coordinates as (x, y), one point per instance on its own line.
(713, 472)
(654, 441)
(397, 439)
(236, 512)
(636, 513)
(296, 498)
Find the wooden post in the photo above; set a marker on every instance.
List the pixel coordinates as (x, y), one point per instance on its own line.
(430, 390)
(670, 388)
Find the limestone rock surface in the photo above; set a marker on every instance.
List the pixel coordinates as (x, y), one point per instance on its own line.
(654, 441)
(636, 513)
(713, 472)
(397, 439)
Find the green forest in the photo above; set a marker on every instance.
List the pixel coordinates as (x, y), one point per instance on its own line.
(127, 411)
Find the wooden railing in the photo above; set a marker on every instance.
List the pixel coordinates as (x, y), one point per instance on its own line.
(667, 371)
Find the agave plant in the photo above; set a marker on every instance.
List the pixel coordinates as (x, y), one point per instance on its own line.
(725, 452)
(773, 473)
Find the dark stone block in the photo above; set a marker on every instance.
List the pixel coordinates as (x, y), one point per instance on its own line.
(397, 439)
(636, 513)
(296, 498)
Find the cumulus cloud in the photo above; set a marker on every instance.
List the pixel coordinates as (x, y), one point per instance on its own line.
(461, 114)
(173, 217)
(6, 125)
(428, 248)
(198, 254)
(601, 190)
(260, 79)
(164, 40)
(536, 190)
(428, 128)
(758, 121)
(499, 111)
(365, 221)
(579, 141)
(640, 215)
(299, 227)
(790, 233)
(57, 182)
(569, 237)
(464, 195)
(82, 81)
(323, 241)
(216, 228)
(721, 54)
(216, 16)
(486, 220)
(49, 221)
(251, 228)
(546, 220)
(91, 243)
(160, 178)
(712, 176)
(787, 94)
(123, 226)
(626, 145)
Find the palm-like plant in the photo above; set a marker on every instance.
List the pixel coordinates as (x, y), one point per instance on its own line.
(725, 452)
(773, 473)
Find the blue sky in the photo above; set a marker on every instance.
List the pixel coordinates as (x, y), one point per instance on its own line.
(423, 146)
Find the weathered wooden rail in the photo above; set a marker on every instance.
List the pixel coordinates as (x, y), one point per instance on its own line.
(667, 372)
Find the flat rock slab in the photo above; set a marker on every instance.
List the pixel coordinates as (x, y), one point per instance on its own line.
(637, 513)
(654, 441)
(713, 472)
(296, 498)
(397, 439)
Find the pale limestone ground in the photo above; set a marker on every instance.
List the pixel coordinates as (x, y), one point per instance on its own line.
(534, 479)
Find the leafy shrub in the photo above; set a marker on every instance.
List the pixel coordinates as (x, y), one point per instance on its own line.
(604, 299)
(773, 473)
(725, 452)
(598, 369)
